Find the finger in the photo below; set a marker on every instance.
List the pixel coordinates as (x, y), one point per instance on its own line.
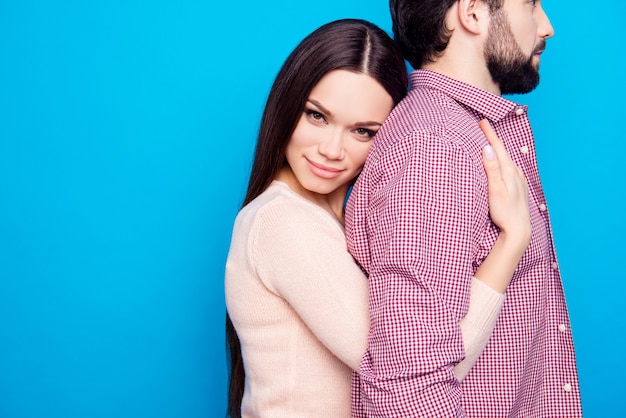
(492, 167)
(491, 160)
(494, 140)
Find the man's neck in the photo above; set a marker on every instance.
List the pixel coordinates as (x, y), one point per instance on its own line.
(470, 71)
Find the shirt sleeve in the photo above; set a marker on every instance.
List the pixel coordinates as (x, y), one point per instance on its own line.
(421, 212)
(301, 255)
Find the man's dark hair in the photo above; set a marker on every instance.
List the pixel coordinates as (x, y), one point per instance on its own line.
(419, 27)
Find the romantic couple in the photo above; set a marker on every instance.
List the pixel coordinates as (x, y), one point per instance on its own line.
(432, 289)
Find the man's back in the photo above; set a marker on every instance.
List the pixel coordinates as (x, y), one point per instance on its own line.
(418, 222)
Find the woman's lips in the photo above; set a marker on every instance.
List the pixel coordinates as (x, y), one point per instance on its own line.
(324, 171)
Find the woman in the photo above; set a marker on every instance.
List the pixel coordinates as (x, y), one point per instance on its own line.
(297, 300)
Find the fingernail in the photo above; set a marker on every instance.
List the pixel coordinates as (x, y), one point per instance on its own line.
(489, 152)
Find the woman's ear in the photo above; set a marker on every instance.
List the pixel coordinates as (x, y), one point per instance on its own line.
(474, 16)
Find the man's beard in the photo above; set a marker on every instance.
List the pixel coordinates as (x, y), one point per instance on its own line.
(509, 67)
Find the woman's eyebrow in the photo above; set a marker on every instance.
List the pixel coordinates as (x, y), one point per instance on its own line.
(329, 113)
(320, 107)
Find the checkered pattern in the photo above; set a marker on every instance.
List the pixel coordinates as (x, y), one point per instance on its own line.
(418, 222)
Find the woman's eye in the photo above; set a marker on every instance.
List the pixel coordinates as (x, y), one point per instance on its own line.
(315, 115)
(366, 133)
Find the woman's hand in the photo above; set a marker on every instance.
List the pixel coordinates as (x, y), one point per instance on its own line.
(508, 208)
(508, 190)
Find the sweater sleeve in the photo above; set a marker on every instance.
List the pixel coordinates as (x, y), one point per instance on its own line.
(477, 325)
(300, 254)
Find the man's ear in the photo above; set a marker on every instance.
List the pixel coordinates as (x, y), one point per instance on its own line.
(474, 16)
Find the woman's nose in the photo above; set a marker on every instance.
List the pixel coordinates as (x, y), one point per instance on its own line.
(332, 146)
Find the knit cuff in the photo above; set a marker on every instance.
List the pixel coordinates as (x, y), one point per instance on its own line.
(485, 305)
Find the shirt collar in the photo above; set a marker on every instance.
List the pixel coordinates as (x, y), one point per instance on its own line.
(491, 106)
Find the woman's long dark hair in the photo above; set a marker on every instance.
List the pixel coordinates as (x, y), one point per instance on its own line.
(348, 44)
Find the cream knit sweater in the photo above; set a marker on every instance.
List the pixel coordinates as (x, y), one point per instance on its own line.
(300, 307)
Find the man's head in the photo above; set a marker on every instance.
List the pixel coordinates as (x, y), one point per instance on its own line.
(516, 38)
(419, 27)
(509, 35)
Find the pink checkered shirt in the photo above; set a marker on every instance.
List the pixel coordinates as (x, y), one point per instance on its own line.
(418, 222)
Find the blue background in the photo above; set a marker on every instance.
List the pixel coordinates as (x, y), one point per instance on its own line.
(126, 135)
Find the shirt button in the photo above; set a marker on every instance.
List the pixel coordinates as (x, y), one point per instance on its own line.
(524, 149)
(555, 265)
(519, 111)
(562, 327)
(567, 387)
(543, 207)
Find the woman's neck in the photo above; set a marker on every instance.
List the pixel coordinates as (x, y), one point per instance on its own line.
(332, 202)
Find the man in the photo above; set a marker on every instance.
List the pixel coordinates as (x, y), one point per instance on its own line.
(418, 222)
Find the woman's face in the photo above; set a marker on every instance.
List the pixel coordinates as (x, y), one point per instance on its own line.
(333, 136)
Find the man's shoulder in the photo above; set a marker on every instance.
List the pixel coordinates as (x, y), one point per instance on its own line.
(423, 100)
(427, 114)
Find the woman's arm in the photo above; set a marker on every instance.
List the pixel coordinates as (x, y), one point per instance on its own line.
(300, 254)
